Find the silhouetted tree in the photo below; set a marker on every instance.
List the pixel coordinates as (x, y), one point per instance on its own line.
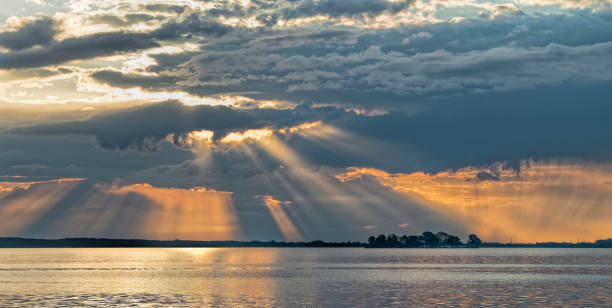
(371, 241)
(392, 240)
(443, 237)
(473, 241)
(453, 241)
(431, 240)
(413, 241)
(427, 239)
(381, 241)
(404, 241)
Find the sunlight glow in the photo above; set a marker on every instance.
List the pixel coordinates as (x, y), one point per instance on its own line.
(24, 204)
(251, 134)
(11, 186)
(266, 133)
(195, 137)
(543, 201)
(284, 223)
(304, 126)
(196, 213)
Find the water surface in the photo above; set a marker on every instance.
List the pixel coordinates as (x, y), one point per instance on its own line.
(290, 277)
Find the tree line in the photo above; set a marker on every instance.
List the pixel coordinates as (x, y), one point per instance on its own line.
(426, 240)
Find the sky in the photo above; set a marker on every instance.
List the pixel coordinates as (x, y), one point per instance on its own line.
(301, 120)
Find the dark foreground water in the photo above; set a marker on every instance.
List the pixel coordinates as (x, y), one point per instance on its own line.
(294, 277)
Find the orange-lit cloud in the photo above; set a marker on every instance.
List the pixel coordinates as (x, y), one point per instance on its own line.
(10, 186)
(297, 128)
(544, 201)
(284, 223)
(206, 136)
(251, 134)
(197, 137)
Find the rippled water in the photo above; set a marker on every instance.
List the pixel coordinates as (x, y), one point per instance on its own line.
(289, 277)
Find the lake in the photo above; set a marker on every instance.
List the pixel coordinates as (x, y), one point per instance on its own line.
(295, 277)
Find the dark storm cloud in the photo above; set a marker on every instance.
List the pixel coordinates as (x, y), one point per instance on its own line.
(452, 135)
(493, 128)
(40, 31)
(143, 127)
(85, 47)
(76, 156)
(52, 52)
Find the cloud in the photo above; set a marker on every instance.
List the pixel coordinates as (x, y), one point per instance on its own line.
(569, 4)
(335, 8)
(331, 64)
(417, 36)
(493, 129)
(270, 12)
(32, 32)
(125, 20)
(161, 7)
(499, 68)
(191, 25)
(76, 156)
(120, 80)
(77, 48)
(452, 135)
(143, 127)
(501, 10)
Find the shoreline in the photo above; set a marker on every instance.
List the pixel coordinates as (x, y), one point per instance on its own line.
(17, 242)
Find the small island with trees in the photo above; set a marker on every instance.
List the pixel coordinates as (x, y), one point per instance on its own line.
(426, 240)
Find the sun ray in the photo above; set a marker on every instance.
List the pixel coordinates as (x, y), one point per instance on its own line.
(284, 223)
(543, 201)
(26, 202)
